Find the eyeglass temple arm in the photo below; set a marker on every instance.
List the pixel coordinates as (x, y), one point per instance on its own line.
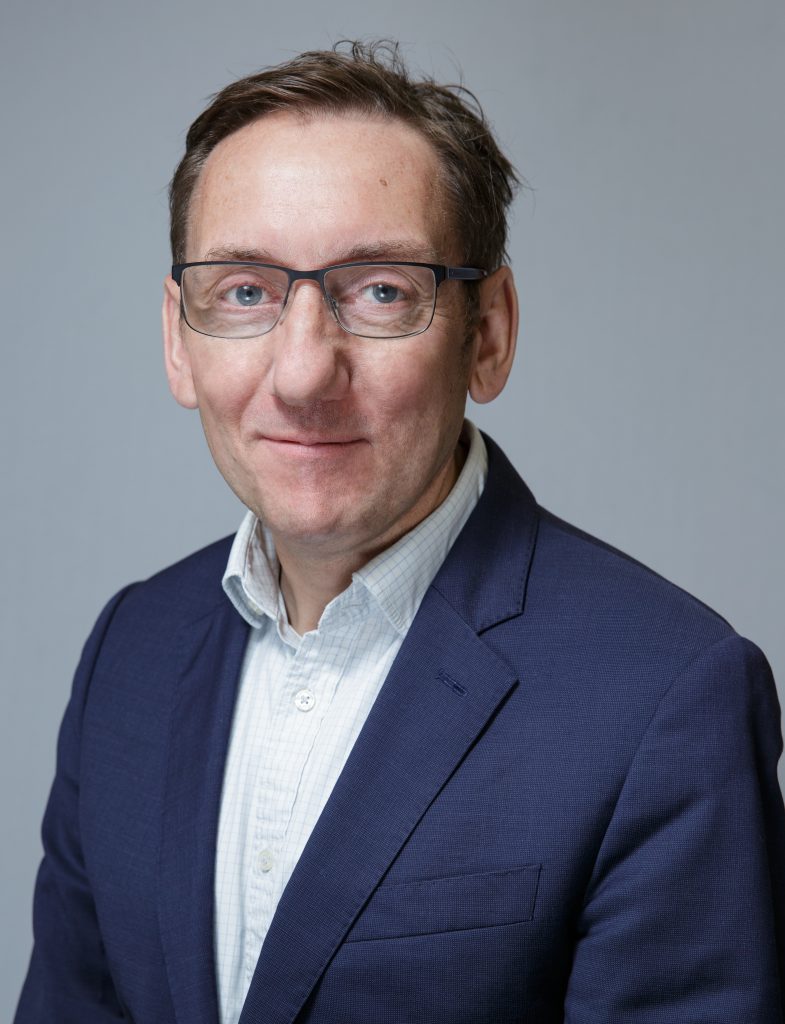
(464, 273)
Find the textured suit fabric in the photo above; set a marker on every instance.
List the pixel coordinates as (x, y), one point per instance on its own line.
(563, 807)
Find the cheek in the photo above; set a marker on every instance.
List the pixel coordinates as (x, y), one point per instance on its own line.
(225, 387)
(420, 402)
(399, 402)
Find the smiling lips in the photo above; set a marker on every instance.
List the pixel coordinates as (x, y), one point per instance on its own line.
(312, 445)
(310, 442)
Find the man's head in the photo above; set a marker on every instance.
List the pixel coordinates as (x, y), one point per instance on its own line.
(340, 443)
(477, 181)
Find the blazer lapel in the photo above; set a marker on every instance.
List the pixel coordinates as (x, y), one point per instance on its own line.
(209, 659)
(429, 711)
(443, 688)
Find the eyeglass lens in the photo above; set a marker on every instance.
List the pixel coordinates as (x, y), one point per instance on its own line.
(245, 301)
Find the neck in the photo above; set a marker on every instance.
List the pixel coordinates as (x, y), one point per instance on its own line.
(311, 579)
(308, 586)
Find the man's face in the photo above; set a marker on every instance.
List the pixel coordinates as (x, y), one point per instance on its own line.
(340, 444)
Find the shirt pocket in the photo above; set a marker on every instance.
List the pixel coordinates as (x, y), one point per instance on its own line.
(453, 903)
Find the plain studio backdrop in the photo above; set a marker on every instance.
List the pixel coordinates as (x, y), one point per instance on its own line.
(646, 404)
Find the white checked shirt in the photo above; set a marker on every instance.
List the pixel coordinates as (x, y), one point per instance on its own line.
(301, 704)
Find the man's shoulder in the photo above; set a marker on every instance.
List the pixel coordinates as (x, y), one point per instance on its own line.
(602, 576)
(186, 590)
(582, 600)
(597, 610)
(570, 573)
(202, 566)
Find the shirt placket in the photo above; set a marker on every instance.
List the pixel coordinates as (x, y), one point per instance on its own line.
(296, 714)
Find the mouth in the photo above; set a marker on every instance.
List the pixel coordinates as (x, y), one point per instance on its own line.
(311, 446)
(310, 441)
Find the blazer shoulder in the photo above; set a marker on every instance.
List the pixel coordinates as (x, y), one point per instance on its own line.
(184, 591)
(605, 559)
(555, 583)
(611, 598)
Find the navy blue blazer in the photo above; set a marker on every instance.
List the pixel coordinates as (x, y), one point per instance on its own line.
(562, 807)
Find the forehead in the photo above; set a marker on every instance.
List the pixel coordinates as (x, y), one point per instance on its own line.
(308, 190)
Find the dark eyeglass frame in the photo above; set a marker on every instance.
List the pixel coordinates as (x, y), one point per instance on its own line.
(441, 272)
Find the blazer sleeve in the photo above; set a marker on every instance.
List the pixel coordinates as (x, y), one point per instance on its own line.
(684, 918)
(69, 980)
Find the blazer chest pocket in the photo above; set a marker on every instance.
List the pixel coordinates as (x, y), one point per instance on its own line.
(449, 904)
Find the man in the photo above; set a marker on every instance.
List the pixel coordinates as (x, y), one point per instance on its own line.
(407, 748)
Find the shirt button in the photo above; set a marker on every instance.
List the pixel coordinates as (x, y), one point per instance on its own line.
(265, 861)
(304, 700)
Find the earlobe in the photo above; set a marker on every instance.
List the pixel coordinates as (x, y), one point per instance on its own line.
(176, 355)
(495, 336)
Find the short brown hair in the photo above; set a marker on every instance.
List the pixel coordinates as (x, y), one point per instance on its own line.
(371, 79)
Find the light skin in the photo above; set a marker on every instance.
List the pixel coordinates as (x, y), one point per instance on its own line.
(339, 444)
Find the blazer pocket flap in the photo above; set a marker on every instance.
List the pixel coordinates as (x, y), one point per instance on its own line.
(449, 904)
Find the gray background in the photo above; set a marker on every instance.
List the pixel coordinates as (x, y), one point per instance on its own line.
(646, 404)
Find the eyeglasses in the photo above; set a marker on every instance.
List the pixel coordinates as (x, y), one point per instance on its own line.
(236, 300)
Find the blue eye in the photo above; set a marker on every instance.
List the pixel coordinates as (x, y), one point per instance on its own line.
(248, 295)
(385, 292)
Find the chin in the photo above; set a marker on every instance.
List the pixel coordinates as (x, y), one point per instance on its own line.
(310, 522)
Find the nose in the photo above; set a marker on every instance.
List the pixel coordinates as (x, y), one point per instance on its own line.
(309, 361)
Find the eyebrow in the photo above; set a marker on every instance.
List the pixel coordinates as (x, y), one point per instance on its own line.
(392, 249)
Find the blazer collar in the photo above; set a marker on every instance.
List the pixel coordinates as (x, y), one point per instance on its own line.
(485, 575)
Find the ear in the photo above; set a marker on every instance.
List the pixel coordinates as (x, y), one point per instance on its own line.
(176, 355)
(494, 336)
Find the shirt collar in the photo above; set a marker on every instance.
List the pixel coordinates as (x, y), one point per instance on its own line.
(396, 579)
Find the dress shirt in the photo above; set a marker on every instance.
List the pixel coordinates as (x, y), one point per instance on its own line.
(301, 703)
